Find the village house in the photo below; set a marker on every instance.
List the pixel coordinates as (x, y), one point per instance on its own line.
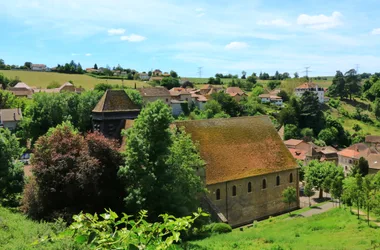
(38, 67)
(112, 111)
(351, 155)
(311, 87)
(373, 163)
(66, 87)
(247, 167)
(21, 89)
(9, 118)
(209, 89)
(268, 98)
(372, 140)
(155, 93)
(307, 151)
(156, 78)
(236, 93)
(179, 98)
(91, 70)
(144, 77)
(157, 72)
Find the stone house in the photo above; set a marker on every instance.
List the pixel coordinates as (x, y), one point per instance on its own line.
(247, 167)
(38, 67)
(374, 163)
(351, 155)
(155, 93)
(268, 98)
(112, 111)
(9, 118)
(311, 87)
(236, 93)
(144, 77)
(21, 89)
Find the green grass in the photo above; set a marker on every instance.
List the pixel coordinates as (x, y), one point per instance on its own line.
(335, 229)
(18, 232)
(42, 79)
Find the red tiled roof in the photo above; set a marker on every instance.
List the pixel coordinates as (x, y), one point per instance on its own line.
(233, 91)
(307, 85)
(298, 154)
(237, 148)
(292, 142)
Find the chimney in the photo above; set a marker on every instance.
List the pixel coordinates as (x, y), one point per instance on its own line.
(14, 116)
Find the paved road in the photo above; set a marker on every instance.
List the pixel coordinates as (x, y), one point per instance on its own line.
(318, 210)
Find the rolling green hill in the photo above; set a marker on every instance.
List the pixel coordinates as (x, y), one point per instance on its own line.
(42, 79)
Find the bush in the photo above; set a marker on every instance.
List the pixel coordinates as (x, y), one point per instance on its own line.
(221, 228)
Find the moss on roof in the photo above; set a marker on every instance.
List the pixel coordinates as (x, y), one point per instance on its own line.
(237, 148)
(115, 101)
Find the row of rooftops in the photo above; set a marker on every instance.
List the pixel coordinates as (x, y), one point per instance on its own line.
(22, 89)
(368, 150)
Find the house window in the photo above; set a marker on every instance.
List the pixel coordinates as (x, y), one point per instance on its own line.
(249, 187)
(233, 190)
(350, 161)
(167, 100)
(187, 99)
(291, 178)
(264, 183)
(278, 180)
(218, 194)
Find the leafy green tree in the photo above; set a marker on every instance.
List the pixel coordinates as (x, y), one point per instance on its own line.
(28, 65)
(257, 90)
(11, 170)
(173, 74)
(377, 108)
(296, 75)
(337, 186)
(291, 132)
(243, 74)
(352, 82)
(338, 87)
(288, 116)
(311, 115)
(317, 172)
(353, 191)
(328, 135)
(229, 104)
(169, 82)
(153, 161)
(284, 95)
(361, 167)
(307, 134)
(95, 66)
(308, 191)
(8, 100)
(289, 196)
(274, 84)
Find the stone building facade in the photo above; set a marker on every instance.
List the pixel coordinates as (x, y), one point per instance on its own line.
(247, 167)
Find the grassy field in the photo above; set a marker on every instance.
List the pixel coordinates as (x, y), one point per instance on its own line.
(42, 79)
(335, 229)
(18, 232)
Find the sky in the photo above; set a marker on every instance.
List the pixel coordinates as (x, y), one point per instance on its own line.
(219, 36)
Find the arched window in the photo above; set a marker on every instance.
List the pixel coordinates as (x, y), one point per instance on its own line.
(249, 187)
(233, 190)
(218, 194)
(291, 178)
(278, 180)
(264, 183)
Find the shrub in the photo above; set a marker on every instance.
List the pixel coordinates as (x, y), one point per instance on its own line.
(221, 228)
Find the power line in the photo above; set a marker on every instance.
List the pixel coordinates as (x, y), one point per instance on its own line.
(200, 72)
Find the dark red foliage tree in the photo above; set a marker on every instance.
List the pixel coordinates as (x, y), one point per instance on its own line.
(72, 174)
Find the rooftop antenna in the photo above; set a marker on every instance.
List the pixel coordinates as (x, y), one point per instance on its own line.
(200, 72)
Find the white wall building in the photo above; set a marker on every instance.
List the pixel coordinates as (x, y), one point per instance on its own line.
(311, 87)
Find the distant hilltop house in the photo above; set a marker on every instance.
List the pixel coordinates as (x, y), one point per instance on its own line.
(311, 87)
(91, 70)
(247, 167)
(112, 112)
(21, 89)
(307, 151)
(9, 118)
(271, 97)
(236, 93)
(157, 72)
(38, 67)
(144, 77)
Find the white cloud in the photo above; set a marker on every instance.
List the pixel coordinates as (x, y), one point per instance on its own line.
(133, 38)
(275, 22)
(321, 22)
(113, 32)
(376, 31)
(88, 54)
(236, 45)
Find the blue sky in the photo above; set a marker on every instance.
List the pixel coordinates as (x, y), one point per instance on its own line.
(221, 36)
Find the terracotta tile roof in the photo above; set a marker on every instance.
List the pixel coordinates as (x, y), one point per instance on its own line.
(356, 151)
(298, 154)
(372, 139)
(154, 91)
(292, 142)
(237, 148)
(307, 85)
(9, 115)
(22, 92)
(115, 101)
(235, 91)
(374, 161)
